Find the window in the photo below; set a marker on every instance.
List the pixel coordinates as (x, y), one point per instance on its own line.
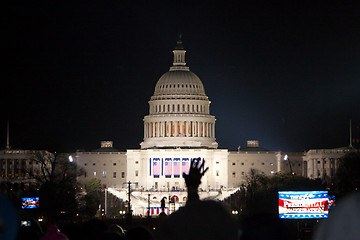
(233, 164)
(114, 164)
(243, 173)
(122, 174)
(252, 164)
(94, 174)
(242, 164)
(93, 164)
(271, 164)
(136, 162)
(234, 174)
(217, 162)
(262, 163)
(136, 173)
(104, 174)
(114, 174)
(85, 164)
(217, 173)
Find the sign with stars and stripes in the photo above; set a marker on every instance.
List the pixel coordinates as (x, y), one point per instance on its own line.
(303, 204)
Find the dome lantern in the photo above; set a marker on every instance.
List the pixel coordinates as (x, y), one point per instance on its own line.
(179, 57)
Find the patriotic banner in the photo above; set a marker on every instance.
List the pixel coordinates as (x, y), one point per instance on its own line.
(156, 167)
(168, 167)
(177, 166)
(156, 211)
(303, 204)
(185, 165)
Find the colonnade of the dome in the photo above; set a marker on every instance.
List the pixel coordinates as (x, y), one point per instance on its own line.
(179, 129)
(179, 108)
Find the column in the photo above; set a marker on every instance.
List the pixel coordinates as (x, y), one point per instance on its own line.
(176, 128)
(145, 124)
(213, 129)
(198, 128)
(157, 129)
(153, 130)
(162, 129)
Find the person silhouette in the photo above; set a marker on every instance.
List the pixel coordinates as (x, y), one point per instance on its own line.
(198, 219)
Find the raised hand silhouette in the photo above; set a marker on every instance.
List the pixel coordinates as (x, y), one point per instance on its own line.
(193, 178)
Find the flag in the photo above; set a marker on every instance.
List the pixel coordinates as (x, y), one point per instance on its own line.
(156, 167)
(185, 165)
(176, 167)
(168, 167)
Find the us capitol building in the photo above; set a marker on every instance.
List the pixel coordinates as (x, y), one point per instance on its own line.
(179, 127)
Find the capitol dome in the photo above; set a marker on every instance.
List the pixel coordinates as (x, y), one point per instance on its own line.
(179, 82)
(179, 110)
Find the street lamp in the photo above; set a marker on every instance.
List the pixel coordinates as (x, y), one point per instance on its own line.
(285, 159)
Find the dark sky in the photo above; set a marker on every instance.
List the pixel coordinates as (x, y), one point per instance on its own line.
(286, 73)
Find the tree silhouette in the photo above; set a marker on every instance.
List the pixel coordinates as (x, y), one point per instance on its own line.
(347, 177)
(56, 177)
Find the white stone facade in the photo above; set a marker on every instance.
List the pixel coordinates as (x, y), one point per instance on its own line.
(322, 163)
(143, 172)
(109, 167)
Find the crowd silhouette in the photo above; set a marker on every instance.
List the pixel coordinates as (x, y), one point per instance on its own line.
(196, 220)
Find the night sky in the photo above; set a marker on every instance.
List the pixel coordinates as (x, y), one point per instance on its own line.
(286, 73)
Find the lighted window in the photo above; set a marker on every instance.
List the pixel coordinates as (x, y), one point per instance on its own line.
(94, 174)
(104, 174)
